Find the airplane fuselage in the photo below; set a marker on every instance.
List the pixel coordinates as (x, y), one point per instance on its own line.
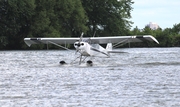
(86, 49)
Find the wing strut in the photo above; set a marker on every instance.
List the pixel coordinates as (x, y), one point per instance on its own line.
(120, 43)
(58, 45)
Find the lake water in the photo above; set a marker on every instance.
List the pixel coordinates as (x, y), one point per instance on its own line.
(137, 77)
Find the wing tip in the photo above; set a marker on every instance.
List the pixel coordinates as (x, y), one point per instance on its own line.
(26, 41)
(153, 38)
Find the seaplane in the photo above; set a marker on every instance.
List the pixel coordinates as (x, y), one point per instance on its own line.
(90, 46)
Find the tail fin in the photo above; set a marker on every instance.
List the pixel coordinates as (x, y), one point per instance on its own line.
(109, 47)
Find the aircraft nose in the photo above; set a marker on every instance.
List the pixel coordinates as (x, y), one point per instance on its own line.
(78, 44)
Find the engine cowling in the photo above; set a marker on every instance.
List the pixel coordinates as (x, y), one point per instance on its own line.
(80, 45)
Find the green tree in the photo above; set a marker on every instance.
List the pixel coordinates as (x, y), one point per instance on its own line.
(70, 17)
(40, 25)
(136, 31)
(177, 42)
(59, 18)
(176, 35)
(108, 17)
(39, 18)
(65, 18)
(147, 31)
(176, 28)
(14, 21)
(164, 38)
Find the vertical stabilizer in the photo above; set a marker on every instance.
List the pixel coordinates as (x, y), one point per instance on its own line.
(109, 47)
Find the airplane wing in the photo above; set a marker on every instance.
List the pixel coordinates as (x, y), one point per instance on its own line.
(30, 41)
(99, 40)
(123, 39)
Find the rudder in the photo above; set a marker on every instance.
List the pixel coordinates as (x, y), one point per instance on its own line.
(109, 47)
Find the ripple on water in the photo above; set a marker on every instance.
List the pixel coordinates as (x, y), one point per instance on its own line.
(138, 77)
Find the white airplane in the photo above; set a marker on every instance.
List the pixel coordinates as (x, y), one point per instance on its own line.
(90, 46)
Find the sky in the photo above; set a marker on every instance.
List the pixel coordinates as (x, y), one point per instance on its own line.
(165, 13)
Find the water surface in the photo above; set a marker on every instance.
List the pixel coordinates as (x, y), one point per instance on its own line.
(137, 77)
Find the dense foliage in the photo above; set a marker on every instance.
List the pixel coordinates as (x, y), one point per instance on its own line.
(68, 18)
(39, 18)
(169, 37)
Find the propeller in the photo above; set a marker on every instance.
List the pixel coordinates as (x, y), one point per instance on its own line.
(81, 37)
(79, 43)
(94, 34)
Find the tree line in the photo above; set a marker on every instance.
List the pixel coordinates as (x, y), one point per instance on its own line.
(168, 37)
(69, 18)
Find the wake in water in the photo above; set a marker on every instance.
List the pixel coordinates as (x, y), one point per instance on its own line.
(161, 63)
